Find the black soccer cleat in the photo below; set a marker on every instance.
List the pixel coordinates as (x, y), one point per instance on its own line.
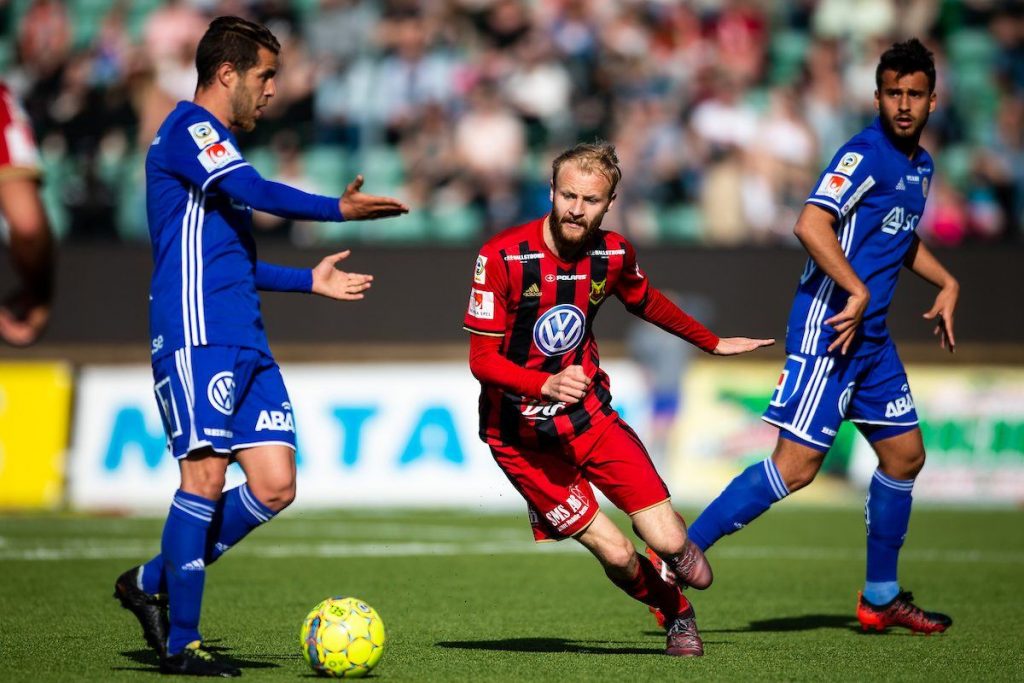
(195, 661)
(149, 609)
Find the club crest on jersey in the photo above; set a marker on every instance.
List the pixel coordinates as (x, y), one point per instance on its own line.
(834, 186)
(218, 155)
(597, 291)
(481, 304)
(849, 163)
(221, 392)
(559, 330)
(203, 134)
(480, 272)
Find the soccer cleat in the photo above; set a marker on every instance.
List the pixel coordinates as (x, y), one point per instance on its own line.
(149, 609)
(683, 639)
(688, 569)
(195, 661)
(900, 611)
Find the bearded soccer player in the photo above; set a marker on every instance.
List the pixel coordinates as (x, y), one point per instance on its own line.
(545, 404)
(217, 386)
(858, 227)
(25, 312)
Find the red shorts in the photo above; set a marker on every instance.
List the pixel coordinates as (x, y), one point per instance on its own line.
(556, 483)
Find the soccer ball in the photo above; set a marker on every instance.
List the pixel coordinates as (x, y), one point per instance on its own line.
(343, 638)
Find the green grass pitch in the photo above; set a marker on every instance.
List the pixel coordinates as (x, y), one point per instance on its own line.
(469, 597)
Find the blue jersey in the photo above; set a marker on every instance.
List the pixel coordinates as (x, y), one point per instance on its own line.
(203, 289)
(877, 195)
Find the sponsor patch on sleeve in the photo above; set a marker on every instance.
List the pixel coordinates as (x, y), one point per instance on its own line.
(849, 163)
(203, 134)
(218, 155)
(480, 272)
(481, 304)
(834, 186)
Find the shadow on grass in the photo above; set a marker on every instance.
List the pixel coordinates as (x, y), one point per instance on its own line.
(805, 622)
(149, 662)
(547, 645)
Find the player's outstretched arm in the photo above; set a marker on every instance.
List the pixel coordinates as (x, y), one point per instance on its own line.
(334, 283)
(357, 206)
(923, 263)
(25, 312)
(815, 230)
(733, 346)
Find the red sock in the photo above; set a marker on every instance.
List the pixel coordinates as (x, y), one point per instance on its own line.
(648, 587)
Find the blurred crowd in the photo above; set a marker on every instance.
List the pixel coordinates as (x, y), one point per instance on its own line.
(723, 111)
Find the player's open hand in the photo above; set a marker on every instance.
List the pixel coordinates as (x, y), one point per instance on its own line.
(331, 281)
(846, 321)
(942, 313)
(356, 206)
(731, 346)
(568, 386)
(23, 318)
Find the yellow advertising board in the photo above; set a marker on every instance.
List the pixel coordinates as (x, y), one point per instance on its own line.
(35, 405)
(972, 421)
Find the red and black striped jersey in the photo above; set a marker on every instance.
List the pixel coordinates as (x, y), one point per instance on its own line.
(543, 309)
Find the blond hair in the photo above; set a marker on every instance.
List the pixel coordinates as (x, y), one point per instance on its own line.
(597, 157)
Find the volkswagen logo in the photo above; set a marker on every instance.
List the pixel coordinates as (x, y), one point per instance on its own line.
(221, 392)
(559, 330)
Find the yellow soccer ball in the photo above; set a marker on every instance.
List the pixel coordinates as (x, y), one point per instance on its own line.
(343, 638)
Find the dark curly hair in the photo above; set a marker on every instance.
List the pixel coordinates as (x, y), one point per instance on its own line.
(905, 58)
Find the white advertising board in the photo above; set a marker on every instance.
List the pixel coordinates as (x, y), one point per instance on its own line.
(369, 435)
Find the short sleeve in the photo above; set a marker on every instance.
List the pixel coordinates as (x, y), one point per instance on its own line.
(849, 176)
(632, 285)
(488, 298)
(200, 151)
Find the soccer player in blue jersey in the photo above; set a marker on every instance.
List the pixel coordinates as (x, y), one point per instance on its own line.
(858, 227)
(219, 390)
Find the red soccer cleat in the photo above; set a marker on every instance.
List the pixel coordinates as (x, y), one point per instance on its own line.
(900, 611)
(683, 638)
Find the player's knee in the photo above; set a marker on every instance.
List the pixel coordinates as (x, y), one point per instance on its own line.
(619, 555)
(275, 494)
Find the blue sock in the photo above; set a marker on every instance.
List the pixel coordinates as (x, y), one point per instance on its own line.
(887, 516)
(182, 548)
(238, 512)
(747, 496)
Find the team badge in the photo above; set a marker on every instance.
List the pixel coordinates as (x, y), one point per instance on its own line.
(597, 291)
(481, 304)
(480, 272)
(559, 330)
(844, 398)
(221, 392)
(203, 134)
(849, 163)
(218, 155)
(834, 186)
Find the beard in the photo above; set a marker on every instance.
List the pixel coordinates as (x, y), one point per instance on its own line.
(568, 245)
(243, 110)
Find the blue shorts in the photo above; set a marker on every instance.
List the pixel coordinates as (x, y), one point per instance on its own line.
(816, 393)
(222, 397)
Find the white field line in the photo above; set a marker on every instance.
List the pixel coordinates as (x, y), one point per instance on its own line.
(101, 549)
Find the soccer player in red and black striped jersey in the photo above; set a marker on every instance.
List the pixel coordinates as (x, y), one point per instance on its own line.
(545, 404)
